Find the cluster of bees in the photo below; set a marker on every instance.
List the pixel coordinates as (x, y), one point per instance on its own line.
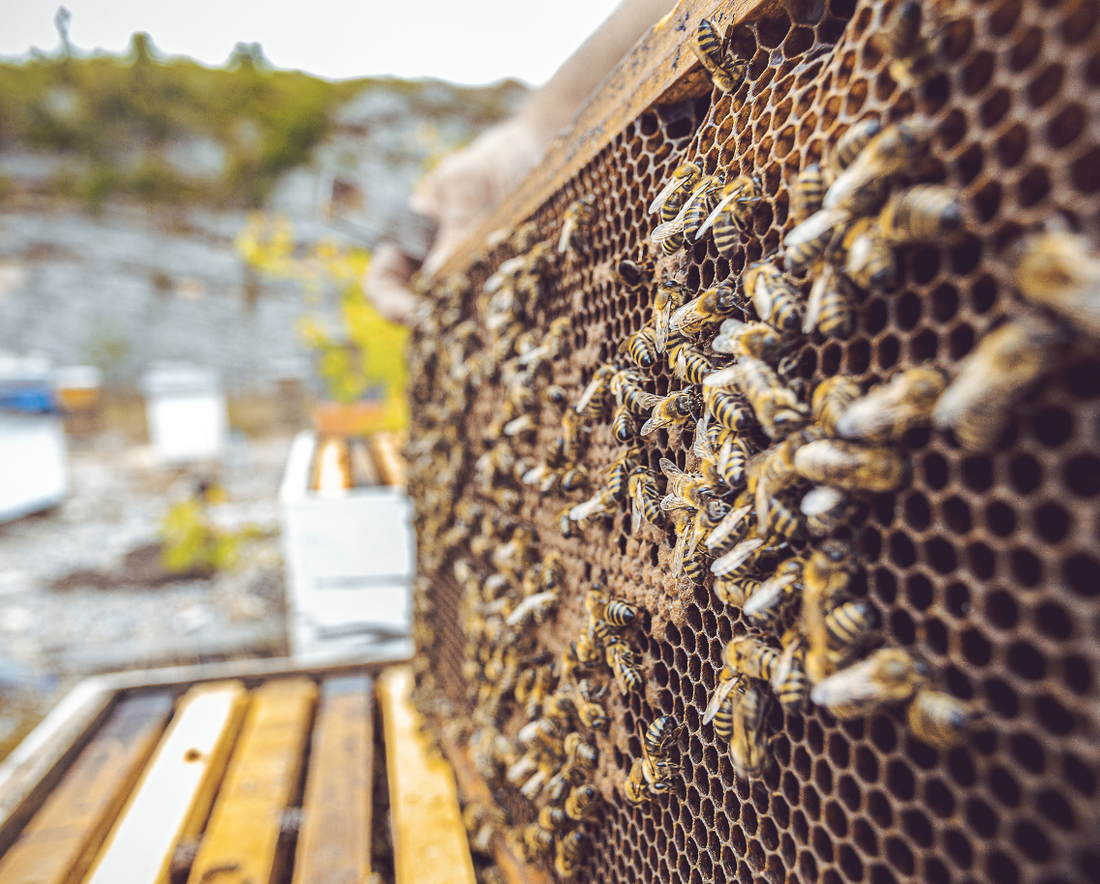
(777, 465)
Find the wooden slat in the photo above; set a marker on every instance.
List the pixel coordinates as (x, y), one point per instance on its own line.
(429, 838)
(335, 836)
(59, 842)
(240, 841)
(660, 69)
(177, 788)
(386, 452)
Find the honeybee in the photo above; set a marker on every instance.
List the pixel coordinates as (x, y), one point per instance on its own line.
(824, 581)
(869, 259)
(684, 489)
(775, 300)
(616, 612)
(576, 435)
(889, 675)
(641, 347)
(575, 479)
(887, 412)
(829, 308)
(677, 188)
(697, 567)
(1060, 270)
(750, 657)
(623, 426)
(631, 274)
(582, 802)
(576, 224)
(570, 847)
(807, 193)
(847, 625)
(747, 744)
(533, 609)
(554, 346)
(620, 471)
(729, 410)
(693, 212)
(731, 530)
(901, 40)
(732, 462)
(644, 500)
(625, 665)
(763, 604)
(757, 339)
(939, 719)
(626, 387)
(634, 787)
(537, 840)
(708, 46)
(740, 558)
(669, 297)
(720, 706)
(924, 213)
(580, 757)
(593, 396)
(1006, 362)
(771, 472)
(860, 187)
(522, 426)
(732, 213)
(851, 144)
(824, 509)
(788, 678)
(709, 307)
(553, 571)
(831, 398)
(776, 407)
(690, 529)
(807, 242)
(657, 736)
(852, 467)
(688, 364)
(673, 410)
(589, 711)
(733, 590)
(602, 503)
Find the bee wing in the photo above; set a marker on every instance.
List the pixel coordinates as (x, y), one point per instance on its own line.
(637, 506)
(724, 529)
(594, 388)
(671, 471)
(682, 314)
(679, 550)
(854, 684)
(721, 691)
(700, 445)
(588, 508)
(518, 425)
(850, 180)
(534, 354)
(767, 595)
(667, 230)
(655, 422)
(671, 186)
(761, 297)
(785, 664)
(726, 341)
(672, 502)
(661, 320)
(736, 557)
(723, 378)
(567, 230)
(817, 298)
(722, 203)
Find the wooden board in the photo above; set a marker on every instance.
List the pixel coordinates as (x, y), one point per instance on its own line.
(660, 69)
(429, 838)
(177, 788)
(60, 841)
(240, 842)
(335, 837)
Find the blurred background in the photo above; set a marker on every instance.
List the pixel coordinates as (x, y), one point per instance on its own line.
(195, 397)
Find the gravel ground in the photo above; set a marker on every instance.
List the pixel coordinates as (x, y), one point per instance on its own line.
(81, 591)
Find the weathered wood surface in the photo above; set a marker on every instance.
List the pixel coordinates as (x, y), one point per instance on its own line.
(60, 841)
(660, 69)
(335, 837)
(241, 840)
(173, 797)
(429, 838)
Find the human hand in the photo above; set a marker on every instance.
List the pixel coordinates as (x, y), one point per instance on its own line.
(456, 192)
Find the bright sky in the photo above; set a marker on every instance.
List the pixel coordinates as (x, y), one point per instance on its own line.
(465, 41)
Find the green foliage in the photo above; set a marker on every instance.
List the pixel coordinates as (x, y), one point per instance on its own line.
(192, 543)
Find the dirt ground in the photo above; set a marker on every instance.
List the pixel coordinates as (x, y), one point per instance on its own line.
(82, 590)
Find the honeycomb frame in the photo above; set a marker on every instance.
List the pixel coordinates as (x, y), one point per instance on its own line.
(985, 565)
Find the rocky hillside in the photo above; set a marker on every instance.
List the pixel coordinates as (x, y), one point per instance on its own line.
(124, 181)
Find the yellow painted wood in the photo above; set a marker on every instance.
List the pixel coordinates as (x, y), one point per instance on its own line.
(240, 841)
(335, 835)
(429, 838)
(59, 842)
(177, 788)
